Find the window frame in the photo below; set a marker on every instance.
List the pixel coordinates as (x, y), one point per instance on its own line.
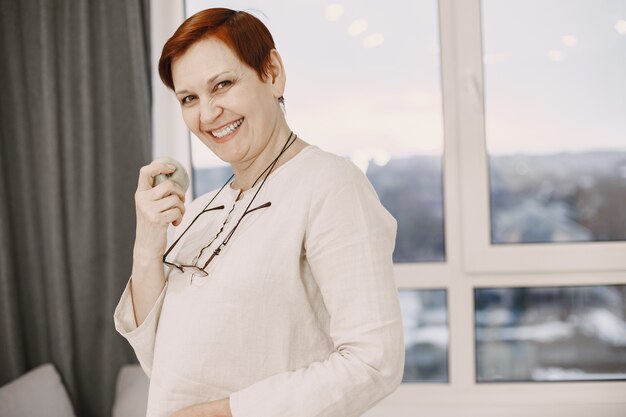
(169, 134)
(471, 261)
(480, 256)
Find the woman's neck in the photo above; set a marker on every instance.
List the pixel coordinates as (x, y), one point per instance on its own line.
(246, 175)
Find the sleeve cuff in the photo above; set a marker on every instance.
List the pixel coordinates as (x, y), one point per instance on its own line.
(141, 337)
(236, 408)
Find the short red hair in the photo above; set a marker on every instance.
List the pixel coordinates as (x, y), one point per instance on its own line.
(243, 33)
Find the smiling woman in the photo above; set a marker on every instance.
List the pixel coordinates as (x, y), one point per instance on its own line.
(280, 300)
(227, 105)
(229, 78)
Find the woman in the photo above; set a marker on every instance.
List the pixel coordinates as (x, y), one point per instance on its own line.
(278, 299)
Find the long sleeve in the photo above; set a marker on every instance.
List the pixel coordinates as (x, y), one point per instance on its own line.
(142, 337)
(348, 245)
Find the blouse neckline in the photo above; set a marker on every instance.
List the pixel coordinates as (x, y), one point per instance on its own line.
(235, 191)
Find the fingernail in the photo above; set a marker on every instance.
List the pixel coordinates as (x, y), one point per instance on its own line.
(170, 166)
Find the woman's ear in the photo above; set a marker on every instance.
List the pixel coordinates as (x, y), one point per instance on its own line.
(277, 75)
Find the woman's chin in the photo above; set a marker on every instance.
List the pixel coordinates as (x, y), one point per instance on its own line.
(227, 154)
(226, 151)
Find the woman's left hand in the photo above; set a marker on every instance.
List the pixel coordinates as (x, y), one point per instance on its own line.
(219, 408)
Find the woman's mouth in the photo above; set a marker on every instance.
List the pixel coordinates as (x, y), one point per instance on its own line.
(227, 130)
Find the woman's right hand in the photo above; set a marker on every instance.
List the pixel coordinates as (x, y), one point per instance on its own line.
(156, 208)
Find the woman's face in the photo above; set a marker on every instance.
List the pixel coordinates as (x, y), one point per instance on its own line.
(225, 104)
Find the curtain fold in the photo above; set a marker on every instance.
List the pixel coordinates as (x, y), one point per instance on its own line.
(74, 131)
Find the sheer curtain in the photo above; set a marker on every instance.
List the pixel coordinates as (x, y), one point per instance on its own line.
(74, 131)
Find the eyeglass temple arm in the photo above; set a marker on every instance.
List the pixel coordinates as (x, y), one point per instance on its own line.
(219, 248)
(269, 203)
(188, 227)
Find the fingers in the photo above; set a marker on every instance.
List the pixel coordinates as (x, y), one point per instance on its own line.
(148, 172)
(162, 212)
(168, 203)
(165, 189)
(161, 205)
(173, 216)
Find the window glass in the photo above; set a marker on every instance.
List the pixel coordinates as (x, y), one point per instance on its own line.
(551, 333)
(555, 119)
(363, 83)
(425, 317)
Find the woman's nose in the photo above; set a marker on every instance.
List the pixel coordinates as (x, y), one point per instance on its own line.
(209, 112)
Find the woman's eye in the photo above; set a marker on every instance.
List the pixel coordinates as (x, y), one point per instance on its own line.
(222, 84)
(187, 99)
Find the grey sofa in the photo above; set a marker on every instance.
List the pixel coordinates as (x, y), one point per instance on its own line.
(40, 392)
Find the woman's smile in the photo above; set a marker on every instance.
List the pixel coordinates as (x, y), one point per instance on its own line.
(226, 132)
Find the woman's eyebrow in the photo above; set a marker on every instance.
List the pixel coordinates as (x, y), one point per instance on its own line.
(209, 81)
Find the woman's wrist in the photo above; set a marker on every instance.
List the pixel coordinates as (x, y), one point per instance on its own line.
(219, 408)
(224, 407)
(143, 257)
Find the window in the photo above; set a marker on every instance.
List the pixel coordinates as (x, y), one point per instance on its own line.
(554, 120)
(550, 333)
(541, 100)
(336, 56)
(425, 317)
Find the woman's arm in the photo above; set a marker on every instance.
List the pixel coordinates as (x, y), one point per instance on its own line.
(156, 207)
(146, 284)
(349, 243)
(136, 315)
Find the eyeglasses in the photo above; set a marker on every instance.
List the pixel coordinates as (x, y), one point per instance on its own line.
(201, 271)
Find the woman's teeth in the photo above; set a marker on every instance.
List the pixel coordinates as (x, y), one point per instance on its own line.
(220, 133)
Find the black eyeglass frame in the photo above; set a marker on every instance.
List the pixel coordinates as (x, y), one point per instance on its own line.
(202, 271)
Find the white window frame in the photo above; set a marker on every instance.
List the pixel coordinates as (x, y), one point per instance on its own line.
(480, 255)
(471, 261)
(170, 136)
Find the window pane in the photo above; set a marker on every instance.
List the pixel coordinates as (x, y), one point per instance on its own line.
(425, 317)
(363, 82)
(555, 119)
(551, 334)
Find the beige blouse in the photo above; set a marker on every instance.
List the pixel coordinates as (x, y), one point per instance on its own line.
(299, 315)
